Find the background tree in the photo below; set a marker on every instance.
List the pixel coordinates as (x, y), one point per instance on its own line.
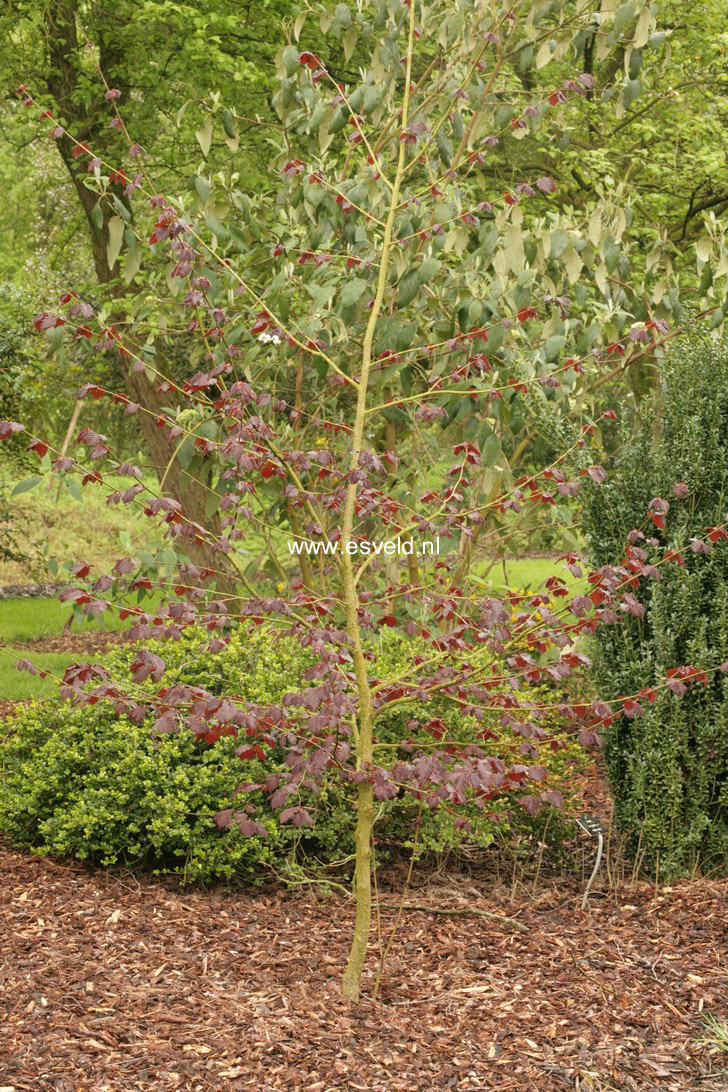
(159, 57)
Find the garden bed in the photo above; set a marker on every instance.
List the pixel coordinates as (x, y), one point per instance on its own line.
(116, 982)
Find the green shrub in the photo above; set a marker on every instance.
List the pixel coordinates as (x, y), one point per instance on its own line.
(82, 781)
(669, 767)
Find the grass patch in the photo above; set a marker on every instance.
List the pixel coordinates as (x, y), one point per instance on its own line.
(23, 620)
(20, 685)
(57, 528)
(523, 574)
(716, 1033)
(31, 619)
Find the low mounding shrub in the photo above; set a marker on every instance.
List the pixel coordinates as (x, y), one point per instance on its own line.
(83, 782)
(669, 767)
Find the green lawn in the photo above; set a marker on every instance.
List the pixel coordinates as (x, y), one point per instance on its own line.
(29, 619)
(20, 685)
(523, 574)
(23, 620)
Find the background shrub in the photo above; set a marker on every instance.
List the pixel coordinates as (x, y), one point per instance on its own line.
(669, 767)
(81, 781)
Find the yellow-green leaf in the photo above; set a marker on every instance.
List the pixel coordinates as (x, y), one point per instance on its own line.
(116, 234)
(204, 136)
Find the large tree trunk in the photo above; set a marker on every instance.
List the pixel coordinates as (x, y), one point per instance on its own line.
(191, 492)
(88, 126)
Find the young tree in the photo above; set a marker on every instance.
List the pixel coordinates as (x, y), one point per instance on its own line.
(360, 392)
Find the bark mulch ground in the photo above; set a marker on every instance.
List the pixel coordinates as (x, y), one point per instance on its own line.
(82, 645)
(112, 982)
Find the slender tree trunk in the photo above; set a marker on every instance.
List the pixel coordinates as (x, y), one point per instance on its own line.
(304, 563)
(351, 984)
(69, 435)
(71, 426)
